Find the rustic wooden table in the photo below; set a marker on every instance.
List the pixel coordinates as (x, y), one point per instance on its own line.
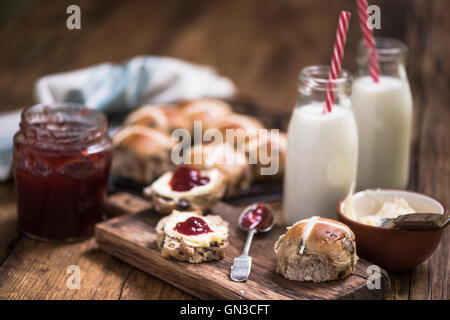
(262, 46)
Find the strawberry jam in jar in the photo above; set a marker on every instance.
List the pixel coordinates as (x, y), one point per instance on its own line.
(62, 157)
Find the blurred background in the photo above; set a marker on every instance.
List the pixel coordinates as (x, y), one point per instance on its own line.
(261, 45)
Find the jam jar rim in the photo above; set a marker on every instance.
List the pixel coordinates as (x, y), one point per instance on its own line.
(53, 138)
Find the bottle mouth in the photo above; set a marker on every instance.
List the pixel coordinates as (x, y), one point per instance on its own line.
(62, 123)
(388, 49)
(316, 78)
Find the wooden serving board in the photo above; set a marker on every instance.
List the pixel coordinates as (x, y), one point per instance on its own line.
(131, 238)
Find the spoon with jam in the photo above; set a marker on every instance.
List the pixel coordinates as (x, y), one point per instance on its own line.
(257, 217)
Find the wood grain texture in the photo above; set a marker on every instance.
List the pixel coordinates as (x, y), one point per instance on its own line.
(429, 71)
(261, 46)
(132, 238)
(37, 270)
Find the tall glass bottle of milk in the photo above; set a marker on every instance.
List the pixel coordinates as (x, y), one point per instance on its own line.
(383, 113)
(322, 151)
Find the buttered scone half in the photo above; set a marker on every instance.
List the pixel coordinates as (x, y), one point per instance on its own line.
(316, 249)
(140, 153)
(186, 188)
(187, 236)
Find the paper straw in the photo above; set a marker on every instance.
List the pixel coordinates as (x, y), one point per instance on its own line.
(369, 42)
(338, 55)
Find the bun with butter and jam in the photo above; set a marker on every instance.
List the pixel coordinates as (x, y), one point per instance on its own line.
(186, 189)
(188, 236)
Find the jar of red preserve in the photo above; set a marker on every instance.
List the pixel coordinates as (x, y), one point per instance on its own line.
(62, 156)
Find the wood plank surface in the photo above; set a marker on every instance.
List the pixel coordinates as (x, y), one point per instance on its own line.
(261, 46)
(132, 238)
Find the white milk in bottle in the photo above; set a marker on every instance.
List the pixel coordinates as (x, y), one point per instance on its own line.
(322, 151)
(383, 113)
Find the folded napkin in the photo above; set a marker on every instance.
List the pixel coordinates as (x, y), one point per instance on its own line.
(115, 87)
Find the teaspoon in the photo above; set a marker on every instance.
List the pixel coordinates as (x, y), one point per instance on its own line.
(257, 217)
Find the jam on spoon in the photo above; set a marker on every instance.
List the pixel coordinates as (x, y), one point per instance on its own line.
(185, 178)
(192, 226)
(257, 216)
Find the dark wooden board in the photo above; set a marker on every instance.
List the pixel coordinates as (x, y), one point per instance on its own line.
(131, 238)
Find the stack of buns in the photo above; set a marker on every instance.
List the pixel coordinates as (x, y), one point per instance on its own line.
(144, 145)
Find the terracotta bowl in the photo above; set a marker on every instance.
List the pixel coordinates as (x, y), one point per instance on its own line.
(393, 250)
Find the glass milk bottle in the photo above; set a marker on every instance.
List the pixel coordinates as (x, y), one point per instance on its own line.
(383, 113)
(322, 151)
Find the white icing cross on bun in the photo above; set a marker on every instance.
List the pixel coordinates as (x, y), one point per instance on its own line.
(311, 222)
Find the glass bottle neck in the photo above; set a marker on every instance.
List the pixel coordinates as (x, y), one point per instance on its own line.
(313, 85)
(391, 56)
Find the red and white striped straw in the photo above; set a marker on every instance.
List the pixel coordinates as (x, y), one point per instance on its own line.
(338, 55)
(369, 42)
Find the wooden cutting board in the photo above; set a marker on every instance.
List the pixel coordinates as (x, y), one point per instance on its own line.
(130, 236)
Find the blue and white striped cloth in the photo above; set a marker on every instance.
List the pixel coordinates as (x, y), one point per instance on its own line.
(113, 87)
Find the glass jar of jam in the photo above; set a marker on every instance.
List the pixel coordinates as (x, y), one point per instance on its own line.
(62, 157)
